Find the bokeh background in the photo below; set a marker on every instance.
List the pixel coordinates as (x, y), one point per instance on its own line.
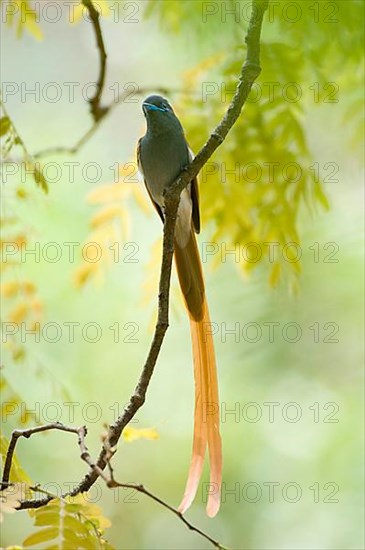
(313, 439)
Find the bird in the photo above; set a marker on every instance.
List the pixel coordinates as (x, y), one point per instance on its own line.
(162, 153)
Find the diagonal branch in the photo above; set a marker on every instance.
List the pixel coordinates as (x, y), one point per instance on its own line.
(189, 525)
(113, 484)
(250, 71)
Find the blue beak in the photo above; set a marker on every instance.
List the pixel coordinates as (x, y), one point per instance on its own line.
(151, 107)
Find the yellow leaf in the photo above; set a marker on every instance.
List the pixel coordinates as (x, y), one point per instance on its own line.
(21, 240)
(9, 289)
(21, 193)
(29, 287)
(77, 13)
(84, 273)
(26, 18)
(19, 313)
(90, 510)
(36, 305)
(34, 29)
(44, 535)
(132, 434)
(108, 214)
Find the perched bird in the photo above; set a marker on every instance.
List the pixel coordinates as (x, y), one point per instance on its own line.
(162, 153)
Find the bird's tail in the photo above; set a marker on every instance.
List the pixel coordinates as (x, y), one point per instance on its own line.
(206, 416)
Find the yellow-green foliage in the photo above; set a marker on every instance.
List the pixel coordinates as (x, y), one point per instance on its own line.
(10, 139)
(22, 16)
(243, 199)
(255, 185)
(66, 524)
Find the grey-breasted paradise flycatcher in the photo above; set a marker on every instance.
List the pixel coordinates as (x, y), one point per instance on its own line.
(162, 153)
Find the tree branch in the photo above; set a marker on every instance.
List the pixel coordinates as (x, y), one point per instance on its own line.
(73, 149)
(96, 109)
(16, 434)
(111, 482)
(189, 525)
(249, 72)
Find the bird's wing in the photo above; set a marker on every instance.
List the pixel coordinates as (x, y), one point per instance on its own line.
(140, 168)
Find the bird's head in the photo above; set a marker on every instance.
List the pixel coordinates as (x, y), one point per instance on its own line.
(156, 104)
(160, 116)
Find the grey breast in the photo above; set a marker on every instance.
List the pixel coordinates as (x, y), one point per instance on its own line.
(163, 156)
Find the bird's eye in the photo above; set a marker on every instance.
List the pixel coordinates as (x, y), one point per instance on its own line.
(165, 106)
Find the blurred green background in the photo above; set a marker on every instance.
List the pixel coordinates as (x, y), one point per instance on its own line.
(316, 380)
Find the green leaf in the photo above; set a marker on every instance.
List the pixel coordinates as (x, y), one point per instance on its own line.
(5, 125)
(320, 196)
(40, 179)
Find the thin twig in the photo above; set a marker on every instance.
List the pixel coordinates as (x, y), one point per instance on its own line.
(191, 526)
(81, 432)
(97, 110)
(73, 149)
(249, 72)
(112, 484)
(17, 139)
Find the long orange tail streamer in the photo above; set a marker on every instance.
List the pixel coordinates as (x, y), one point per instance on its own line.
(206, 416)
